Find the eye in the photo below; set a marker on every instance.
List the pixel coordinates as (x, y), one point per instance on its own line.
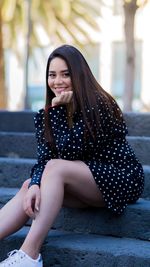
(66, 74)
(51, 75)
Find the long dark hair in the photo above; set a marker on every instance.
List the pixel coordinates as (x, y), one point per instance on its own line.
(87, 93)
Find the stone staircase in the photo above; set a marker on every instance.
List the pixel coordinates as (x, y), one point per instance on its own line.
(80, 237)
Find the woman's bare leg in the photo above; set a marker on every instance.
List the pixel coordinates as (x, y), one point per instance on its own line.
(15, 212)
(12, 215)
(60, 176)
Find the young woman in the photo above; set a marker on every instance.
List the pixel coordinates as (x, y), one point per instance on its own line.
(83, 156)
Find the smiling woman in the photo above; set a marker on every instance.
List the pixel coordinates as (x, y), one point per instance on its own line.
(84, 159)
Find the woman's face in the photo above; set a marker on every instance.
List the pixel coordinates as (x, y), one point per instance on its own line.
(59, 79)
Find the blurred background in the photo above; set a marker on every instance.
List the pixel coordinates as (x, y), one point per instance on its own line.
(113, 35)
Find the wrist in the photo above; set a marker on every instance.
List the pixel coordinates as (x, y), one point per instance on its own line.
(35, 185)
(54, 103)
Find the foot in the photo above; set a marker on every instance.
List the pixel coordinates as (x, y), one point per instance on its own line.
(18, 258)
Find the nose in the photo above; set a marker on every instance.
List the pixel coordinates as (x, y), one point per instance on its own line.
(58, 79)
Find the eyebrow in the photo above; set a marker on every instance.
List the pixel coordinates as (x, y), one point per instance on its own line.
(52, 71)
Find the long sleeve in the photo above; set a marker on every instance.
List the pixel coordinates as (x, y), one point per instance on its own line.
(68, 140)
(44, 151)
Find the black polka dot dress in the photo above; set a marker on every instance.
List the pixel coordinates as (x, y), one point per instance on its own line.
(115, 168)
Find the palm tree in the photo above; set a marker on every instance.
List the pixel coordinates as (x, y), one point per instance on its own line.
(130, 8)
(61, 19)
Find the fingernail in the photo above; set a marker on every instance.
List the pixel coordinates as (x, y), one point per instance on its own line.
(37, 208)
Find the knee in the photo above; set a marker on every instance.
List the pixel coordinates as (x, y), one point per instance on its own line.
(55, 168)
(25, 184)
(55, 165)
(52, 164)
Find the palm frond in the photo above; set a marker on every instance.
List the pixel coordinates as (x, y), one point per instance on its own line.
(8, 10)
(80, 12)
(62, 20)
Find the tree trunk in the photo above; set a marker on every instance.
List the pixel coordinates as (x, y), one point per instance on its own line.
(27, 4)
(129, 14)
(2, 78)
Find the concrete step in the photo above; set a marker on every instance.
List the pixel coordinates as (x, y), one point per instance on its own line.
(14, 171)
(63, 249)
(22, 121)
(6, 193)
(141, 147)
(138, 123)
(16, 121)
(18, 145)
(23, 145)
(134, 223)
(146, 193)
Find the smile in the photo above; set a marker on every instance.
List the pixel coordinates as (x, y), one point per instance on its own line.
(60, 89)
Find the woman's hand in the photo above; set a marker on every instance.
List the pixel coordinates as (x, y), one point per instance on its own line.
(63, 98)
(32, 200)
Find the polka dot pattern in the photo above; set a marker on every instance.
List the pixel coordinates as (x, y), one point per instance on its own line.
(115, 168)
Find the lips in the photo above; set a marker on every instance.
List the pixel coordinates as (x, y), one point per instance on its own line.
(60, 89)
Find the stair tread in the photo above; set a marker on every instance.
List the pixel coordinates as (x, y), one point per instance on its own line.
(17, 160)
(23, 122)
(19, 170)
(18, 133)
(94, 242)
(65, 249)
(16, 144)
(30, 160)
(140, 204)
(133, 223)
(7, 191)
